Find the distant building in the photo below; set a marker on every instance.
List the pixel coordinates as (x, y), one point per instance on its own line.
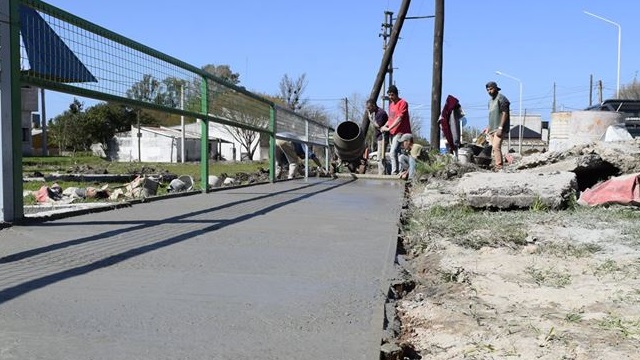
(531, 130)
(30, 104)
(230, 148)
(159, 144)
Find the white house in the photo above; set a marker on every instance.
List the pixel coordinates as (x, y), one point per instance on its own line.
(159, 144)
(230, 148)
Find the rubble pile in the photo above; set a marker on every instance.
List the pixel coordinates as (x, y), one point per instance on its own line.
(554, 179)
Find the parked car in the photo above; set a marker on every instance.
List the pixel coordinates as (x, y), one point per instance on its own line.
(373, 156)
(629, 107)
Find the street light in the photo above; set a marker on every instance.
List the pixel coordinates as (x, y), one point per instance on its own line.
(519, 112)
(619, 43)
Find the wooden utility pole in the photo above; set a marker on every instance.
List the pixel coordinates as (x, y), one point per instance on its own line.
(590, 89)
(599, 91)
(386, 60)
(346, 109)
(436, 81)
(553, 107)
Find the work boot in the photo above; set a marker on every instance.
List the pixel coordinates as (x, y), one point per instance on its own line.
(292, 170)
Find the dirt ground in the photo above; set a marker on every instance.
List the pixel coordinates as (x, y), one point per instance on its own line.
(530, 284)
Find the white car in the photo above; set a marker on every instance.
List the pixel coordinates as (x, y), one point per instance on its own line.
(373, 156)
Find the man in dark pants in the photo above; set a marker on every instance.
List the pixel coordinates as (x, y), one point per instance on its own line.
(378, 117)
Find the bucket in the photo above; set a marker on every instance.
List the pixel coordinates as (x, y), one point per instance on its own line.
(149, 186)
(465, 156)
(214, 181)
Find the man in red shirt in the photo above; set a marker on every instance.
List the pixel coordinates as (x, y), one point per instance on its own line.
(397, 125)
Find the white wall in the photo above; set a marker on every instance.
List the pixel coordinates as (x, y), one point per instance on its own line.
(220, 131)
(153, 148)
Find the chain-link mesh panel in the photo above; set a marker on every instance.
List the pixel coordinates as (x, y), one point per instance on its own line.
(237, 107)
(317, 134)
(62, 52)
(55, 50)
(290, 124)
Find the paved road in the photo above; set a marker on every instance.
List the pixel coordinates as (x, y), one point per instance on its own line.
(292, 270)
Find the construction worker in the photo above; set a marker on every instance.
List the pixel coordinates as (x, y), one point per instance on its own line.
(293, 153)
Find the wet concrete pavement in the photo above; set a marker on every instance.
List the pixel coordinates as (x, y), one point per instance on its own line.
(292, 270)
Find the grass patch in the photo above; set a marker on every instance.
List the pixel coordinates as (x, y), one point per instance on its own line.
(548, 277)
(617, 271)
(566, 250)
(573, 317)
(72, 164)
(627, 328)
(468, 228)
(437, 163)
(538, 205)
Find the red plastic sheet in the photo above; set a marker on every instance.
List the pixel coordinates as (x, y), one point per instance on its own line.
(623, 190)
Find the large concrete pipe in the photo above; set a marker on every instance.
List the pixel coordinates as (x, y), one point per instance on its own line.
(571, 128)
(349, 141)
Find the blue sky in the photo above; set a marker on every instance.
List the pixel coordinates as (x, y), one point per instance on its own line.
(337, 44)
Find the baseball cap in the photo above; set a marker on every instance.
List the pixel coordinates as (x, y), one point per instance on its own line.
(406, 137)
(492, 84)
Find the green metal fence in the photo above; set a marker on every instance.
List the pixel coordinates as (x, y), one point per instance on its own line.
(62, 52)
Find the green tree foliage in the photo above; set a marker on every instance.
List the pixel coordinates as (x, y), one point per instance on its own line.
(64, 128)
(223, 72)
(146, 90)
(172, 92)
(76, 129)
(168, 93)
(104, 120)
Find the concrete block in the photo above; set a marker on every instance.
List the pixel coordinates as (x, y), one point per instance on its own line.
(516, 190)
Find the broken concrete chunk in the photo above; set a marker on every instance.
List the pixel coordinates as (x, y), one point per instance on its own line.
(517, 190)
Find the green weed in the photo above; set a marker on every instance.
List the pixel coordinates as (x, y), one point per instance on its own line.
(538, 205)
(626, 328)
(565, 249)
(573, 317)
(548, 277)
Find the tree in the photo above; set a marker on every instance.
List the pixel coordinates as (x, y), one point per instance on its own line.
(146, 90)
(63, 129)
(223, 72)
(630, 91)
(104, 120)
(291, 92)
(257, 117)
(316, 113)
(76, 129)
(230, 104)
(172, 91)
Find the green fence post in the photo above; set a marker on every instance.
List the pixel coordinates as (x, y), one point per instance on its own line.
(204, 137)
(272, 143)
(11, 198)
(327, 151)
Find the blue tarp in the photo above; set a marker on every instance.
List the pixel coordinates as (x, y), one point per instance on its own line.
(49, 57)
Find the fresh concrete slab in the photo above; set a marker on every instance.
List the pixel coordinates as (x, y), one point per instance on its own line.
(276, 271)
